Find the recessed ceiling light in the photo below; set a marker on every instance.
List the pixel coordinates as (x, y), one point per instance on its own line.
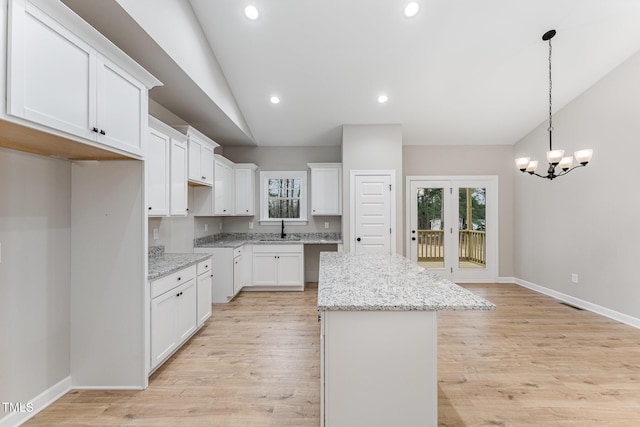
(382, 99)
(251, 12)
(411, 9)
(274, 100)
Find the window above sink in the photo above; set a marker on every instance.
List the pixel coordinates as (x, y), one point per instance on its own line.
(283, 196)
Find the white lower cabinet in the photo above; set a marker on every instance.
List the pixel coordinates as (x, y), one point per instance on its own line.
(173, 313)
(278, 267)
(204, 290)
(230, 272)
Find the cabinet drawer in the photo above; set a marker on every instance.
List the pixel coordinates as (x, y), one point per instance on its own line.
(160, 286)
(204, 266)
(281, 248)
(237, 251)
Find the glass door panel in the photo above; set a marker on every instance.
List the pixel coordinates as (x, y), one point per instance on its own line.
(472, 242)
(431, 223)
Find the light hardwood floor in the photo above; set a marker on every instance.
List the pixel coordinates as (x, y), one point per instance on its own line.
(532, 362)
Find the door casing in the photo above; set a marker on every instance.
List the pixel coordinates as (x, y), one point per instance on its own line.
(490, 273)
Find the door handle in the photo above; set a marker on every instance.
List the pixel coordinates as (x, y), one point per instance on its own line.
(358, 239)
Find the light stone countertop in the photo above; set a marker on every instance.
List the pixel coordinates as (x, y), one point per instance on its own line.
(373, 282)
(234, 240)
(164, 264)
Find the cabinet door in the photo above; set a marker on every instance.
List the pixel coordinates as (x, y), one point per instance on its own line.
(204, 297)
(121, 108)
(178, 175)
(238, 274)
(157, 173)
(289, 269)
(265, 269)
(163, 326)
(51, 73)
(195, 162)
(186, 314)
(244, 192)
(206, 164)
(222, 189)
(326, 195)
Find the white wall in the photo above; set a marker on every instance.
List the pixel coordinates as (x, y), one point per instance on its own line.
(35, 234)
(471, 160)
(174, 26)
(285, 159)
(586, 222)
(372, 147)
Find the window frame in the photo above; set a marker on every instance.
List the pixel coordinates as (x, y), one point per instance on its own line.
(265, 176)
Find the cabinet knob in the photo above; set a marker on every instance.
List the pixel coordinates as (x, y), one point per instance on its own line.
(204, 177)
(102, 132)
(149, 207)
(358, 239)
(94, 130)
(179, 278)
(413, 238)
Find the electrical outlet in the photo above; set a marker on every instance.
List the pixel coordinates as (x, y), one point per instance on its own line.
(326, 224)
(574, 278)
(250, 225)
(156, 234)
(220, 226)
(206, 227)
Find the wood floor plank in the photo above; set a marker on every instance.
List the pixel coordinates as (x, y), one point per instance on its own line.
(532, 362)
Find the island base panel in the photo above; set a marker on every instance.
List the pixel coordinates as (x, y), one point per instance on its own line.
(379, 368)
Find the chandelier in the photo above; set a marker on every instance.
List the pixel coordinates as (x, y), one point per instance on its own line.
(555, 158)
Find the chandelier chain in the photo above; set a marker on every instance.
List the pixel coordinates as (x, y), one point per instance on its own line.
(550, 86)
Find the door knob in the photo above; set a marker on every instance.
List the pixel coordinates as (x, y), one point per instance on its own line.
(358, 239)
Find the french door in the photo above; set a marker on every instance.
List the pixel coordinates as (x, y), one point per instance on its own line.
(453, 227)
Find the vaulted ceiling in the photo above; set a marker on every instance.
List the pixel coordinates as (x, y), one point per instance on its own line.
(459, 72)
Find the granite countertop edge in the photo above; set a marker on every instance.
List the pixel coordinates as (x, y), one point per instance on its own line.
(171, 262)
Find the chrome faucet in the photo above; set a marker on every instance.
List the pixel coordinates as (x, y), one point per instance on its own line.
(282, 234)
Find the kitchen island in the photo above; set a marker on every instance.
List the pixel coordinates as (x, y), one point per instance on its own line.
(379, 339)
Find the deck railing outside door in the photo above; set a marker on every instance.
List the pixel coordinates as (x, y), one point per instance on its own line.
(471, 244)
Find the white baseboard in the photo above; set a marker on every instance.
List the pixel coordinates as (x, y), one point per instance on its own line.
(506, 280)
(38, 403)
(598, 309)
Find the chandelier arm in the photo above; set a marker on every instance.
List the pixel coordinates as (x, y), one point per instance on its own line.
(538, 175)
(563, 173)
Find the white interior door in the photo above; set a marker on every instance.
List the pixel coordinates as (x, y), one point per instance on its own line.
(453, 226)
(372, 213)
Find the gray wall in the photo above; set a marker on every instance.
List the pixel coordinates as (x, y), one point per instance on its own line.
(471, 160)
(586, 222)
(35, 233)
(376, 147)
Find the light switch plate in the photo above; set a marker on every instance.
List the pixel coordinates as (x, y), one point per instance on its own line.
(250, 225)
(326, 224)
(156, 234)
(206, 227)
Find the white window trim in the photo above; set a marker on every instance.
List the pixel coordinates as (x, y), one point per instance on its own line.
(265, 176)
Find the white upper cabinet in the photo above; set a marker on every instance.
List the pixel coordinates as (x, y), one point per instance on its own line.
(166, 170)
(157, 173)
(120, 111)
(224, 186)
(200, 157)
(326, 188)
(179, 193)
(58, 76)
(245, 188)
